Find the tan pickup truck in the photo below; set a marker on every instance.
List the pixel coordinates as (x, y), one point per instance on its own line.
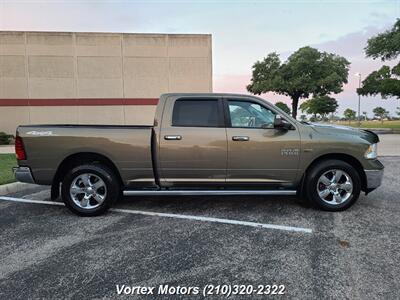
(201, 144)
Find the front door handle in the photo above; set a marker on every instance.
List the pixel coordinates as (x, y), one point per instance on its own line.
(173, 137)
(240, 138)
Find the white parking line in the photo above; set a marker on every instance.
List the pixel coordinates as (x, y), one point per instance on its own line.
(215, 220)
(176, 216)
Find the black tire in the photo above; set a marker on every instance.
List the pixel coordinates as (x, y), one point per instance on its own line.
(320, 169)
(112, 188)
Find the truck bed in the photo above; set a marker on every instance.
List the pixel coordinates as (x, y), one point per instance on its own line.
(128, 147)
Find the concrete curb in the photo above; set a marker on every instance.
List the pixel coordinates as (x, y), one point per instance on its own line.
(14, 187)
(7, 149)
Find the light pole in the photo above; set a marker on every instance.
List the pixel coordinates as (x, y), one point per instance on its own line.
(359, 98)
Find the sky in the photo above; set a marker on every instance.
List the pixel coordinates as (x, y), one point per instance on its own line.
(242, 31)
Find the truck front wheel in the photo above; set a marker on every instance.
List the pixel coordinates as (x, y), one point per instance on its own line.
(333, 185)
(90, 190)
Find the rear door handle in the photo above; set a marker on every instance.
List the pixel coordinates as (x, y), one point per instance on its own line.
(173, 137)
(240, 138)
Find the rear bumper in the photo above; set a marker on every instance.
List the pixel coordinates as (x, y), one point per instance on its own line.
(374, 178)
(23, 174)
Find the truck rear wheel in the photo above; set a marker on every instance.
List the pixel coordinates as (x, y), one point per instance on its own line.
(90, 190)
(333, 185)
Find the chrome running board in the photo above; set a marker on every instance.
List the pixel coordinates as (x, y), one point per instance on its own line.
(207, 192)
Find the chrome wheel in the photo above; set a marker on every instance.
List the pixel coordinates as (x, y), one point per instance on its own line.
(88, 191)
(335, 187)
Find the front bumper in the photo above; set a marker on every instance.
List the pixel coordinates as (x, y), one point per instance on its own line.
(23, 174)
(374, 178)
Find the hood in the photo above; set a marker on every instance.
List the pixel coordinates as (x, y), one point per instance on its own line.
(338, 130)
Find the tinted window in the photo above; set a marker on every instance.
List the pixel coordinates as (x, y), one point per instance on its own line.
(251, 115)
(196, 113)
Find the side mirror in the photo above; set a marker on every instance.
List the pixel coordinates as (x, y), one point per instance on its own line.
(280, 124)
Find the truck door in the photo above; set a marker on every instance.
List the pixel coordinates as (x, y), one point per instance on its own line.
(192, 144)
(257, 152)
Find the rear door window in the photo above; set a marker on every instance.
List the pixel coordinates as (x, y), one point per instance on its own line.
(197, 113)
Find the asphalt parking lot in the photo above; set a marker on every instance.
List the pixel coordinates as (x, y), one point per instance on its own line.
(47, 252)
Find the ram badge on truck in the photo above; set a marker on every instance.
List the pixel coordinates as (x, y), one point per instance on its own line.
(200, 144)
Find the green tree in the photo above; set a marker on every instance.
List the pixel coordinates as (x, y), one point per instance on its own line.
(380, 113)
(304, 107)
(283, 106)
(306, 72)
(349, 114)
(384, 81)
(321, 105)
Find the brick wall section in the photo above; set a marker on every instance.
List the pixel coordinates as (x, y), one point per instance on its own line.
(62, 66)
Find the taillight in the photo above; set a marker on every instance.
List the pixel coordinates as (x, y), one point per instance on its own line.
(19, 148)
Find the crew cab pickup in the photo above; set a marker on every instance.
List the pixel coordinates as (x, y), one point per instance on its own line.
(200, 144)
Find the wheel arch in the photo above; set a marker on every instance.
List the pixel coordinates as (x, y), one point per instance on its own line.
(351, 160)
(77, 159)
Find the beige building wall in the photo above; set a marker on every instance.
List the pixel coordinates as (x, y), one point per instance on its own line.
(58, 65)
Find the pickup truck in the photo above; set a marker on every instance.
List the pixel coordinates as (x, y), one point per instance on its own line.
(200, 144)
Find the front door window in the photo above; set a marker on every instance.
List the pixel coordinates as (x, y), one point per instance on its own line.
(246, 114)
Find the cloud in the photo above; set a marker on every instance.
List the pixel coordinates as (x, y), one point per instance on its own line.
(351, 45)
